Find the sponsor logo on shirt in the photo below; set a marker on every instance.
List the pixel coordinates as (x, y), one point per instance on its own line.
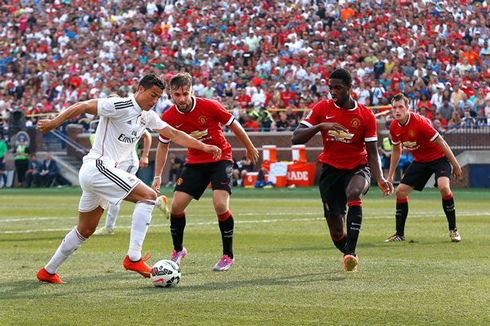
(198, 134)
(340, 135)
(127, 139)
(411, 145)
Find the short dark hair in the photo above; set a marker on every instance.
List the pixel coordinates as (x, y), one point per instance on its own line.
(150, 80)
(343, 75)
(180, 80)
(400, 97)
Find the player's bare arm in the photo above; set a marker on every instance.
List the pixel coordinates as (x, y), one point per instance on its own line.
(185, 140)
(72, 111)
(449, 154)
(146, 149)
(303, 133)
(394, 160)
(251, 152)
(375, 165)
(160, 160)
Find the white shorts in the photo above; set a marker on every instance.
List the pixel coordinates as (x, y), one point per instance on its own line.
(102, 183)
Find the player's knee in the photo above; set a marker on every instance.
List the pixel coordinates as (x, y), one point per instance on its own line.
(354, 196)
(220, 208)
(150, 194)
(402, 192)
(444, 189)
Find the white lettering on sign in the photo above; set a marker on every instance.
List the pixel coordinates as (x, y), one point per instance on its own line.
(298, 175)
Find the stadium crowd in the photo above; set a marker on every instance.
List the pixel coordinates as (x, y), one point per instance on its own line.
(267, 61)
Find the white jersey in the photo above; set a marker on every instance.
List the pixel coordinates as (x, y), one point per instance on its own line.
(122, 122)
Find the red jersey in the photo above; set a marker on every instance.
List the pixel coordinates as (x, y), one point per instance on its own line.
(203, 123)
(418, 136)
(344, 150)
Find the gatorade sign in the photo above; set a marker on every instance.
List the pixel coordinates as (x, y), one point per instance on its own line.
(301, 174)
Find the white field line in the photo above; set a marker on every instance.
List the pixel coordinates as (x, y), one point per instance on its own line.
(237, 222)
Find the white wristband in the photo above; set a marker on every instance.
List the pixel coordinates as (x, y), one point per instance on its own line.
(157, 177)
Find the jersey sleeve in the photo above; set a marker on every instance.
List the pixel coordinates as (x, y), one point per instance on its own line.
(394, 139)
(114, 107)
(371, 127)
(166, 118)
(105, 107)
(313, 118)
(222, 115)
(427, 130)
(154, 121)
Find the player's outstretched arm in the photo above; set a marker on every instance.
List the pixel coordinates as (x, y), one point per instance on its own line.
(375, 165)
(185, 140)
(394, 160)
(90, 107)
(160, 160)
(251, 152)
(450, 156)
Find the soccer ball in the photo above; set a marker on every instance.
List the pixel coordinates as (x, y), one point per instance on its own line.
(165, 274)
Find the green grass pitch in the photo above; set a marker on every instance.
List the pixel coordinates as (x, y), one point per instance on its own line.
(287, 270)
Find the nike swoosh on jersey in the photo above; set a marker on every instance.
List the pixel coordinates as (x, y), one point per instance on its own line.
(329, 117)
(178, 126)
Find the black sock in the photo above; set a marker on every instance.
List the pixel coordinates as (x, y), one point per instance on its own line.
(401, 216)
(354, 221)
(450, 210)
(226, 228)
(341, 243)
(177, 226)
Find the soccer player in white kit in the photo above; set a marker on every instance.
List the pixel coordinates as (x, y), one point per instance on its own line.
(122, 122)
(131, 165)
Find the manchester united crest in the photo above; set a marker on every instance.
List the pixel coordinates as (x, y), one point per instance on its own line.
(179, 181)
(411, 133)
(355, 123)
(202, 120)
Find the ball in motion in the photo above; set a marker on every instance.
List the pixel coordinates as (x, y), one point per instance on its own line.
(165, 274)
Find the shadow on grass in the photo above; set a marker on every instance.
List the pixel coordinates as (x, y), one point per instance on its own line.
(32, 239)
(33, 289)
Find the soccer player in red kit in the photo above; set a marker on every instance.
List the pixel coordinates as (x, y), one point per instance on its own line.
(350, 144)
(431, 155)
(202, 119)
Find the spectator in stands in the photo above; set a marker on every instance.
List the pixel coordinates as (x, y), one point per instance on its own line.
(3, 160)
(21, 155)
(282, 124)
(49, 170)
(266, 121)
(455, 121)
(33, 173)
(446, 109)
(252, 44)
(437, 97)
(468, 121)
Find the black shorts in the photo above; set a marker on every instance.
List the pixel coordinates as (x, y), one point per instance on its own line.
(418, 174)
(2, 165)
(333, 183)
(195, 178)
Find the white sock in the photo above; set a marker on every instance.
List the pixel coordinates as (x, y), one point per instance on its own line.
(111, 218)
(72, 241)
(139, 226)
